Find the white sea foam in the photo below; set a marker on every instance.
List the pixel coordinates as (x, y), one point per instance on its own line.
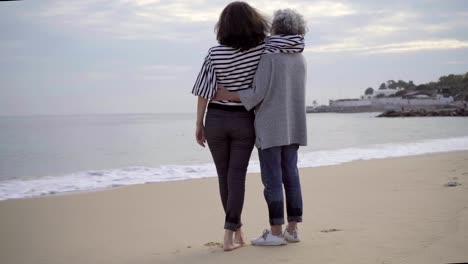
(93, 180)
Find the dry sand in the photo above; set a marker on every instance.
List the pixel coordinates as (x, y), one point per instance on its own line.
(385, 211)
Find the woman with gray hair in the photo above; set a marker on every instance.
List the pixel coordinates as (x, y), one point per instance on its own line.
(278, 97)
(226, 125)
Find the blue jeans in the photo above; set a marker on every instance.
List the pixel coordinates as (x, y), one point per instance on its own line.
(279, 167)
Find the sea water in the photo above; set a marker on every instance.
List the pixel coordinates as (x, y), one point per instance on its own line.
(42, 155)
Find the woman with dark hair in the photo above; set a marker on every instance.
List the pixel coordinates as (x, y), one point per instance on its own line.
(229, 127)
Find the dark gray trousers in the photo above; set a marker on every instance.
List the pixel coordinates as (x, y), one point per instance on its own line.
(231, 138)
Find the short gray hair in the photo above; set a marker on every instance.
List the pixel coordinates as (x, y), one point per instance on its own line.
(288, 22)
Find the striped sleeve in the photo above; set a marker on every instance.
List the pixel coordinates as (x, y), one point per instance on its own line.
(285, 44)
(205, 85)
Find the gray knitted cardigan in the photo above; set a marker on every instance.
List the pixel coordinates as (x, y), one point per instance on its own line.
(278, 96)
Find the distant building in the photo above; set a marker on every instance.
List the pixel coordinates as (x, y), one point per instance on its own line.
(386, 99)
(349, 103)
(416, 95)
(386, 92)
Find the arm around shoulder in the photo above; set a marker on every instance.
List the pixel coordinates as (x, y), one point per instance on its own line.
(261, 83)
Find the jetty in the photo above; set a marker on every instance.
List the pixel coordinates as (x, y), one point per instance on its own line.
(423, 112)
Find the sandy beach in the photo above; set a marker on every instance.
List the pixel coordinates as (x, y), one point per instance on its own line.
(380, 211)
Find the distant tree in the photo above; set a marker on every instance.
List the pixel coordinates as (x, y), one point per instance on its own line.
(314, 103)
(369, 91)
(391, 84)
(421, 87)
(452, 82)
(465, 83)
(455, 85)
(402, 84)
(433, 84)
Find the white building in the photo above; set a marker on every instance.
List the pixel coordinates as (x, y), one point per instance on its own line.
(386, 102)
(386, 92)
(350, 103)
(384, 99)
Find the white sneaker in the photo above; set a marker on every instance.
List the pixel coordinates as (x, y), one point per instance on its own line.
(268, 239)
(292, 237)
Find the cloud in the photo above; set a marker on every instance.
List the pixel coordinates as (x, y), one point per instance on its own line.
(179, 12)
(338, 26)
(378, 24)
(121, 19)
(172, 20)
(422, 45)
(455, 62)
(377, 30)
(402, 47)
(154, 72)
(310, 9)
(391, 30)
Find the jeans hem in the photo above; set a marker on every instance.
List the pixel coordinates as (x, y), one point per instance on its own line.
(295, 219)
(277, 221)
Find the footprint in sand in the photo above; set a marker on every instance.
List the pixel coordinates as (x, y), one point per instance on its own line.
(213, 244)
(452, 184)
(330, 230)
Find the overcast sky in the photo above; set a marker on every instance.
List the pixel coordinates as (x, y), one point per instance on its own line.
(142, 56)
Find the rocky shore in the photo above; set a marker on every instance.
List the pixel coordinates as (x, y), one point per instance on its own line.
(423, 112)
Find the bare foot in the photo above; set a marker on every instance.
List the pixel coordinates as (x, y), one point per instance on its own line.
(228, 243)
(239, 237)
(230, 246)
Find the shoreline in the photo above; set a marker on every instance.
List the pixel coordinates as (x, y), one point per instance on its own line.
(394, 210)
(73, 192)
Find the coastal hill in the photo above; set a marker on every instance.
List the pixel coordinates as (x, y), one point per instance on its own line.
(452, 85)
(448, 92)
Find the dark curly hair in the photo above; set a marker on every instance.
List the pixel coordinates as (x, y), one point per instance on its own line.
(241, 26)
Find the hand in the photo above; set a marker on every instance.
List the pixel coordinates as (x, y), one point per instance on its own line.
(200, 135)
(222, 94)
